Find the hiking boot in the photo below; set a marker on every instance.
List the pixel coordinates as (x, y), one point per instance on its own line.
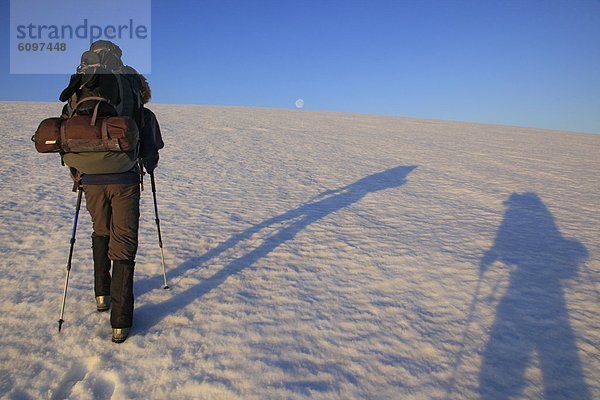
(119, 334)
(102, 303)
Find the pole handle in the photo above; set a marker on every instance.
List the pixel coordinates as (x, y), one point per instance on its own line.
(152, 182)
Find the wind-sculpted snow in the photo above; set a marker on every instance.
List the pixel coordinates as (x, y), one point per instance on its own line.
(315, 255)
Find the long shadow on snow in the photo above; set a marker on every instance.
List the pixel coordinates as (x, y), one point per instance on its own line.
(532, 318)
(297, 219)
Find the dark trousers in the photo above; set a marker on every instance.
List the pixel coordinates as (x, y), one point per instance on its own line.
(115, 212)
(115, 217)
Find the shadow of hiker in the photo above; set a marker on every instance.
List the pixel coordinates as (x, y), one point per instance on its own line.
(532, 318)
(297, 219)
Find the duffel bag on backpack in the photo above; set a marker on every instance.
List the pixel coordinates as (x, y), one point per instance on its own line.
(91, 144)
(85, 133)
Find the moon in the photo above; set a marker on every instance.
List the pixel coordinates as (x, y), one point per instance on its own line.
(299, 103)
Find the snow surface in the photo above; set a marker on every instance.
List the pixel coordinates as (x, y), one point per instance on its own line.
(315, 255)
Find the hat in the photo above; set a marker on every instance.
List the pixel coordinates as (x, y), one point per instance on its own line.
(105, 45)
(90, 58)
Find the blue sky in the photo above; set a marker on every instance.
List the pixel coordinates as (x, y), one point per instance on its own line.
(517, 62)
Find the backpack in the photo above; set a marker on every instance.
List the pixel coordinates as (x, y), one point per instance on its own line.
(98, 132)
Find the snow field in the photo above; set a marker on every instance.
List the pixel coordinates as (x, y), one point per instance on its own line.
(315, 255)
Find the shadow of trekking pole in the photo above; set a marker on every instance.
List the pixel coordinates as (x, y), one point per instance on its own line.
(469, 319)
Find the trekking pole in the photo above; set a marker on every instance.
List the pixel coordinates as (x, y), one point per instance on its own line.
(64, 298)
(157, 220)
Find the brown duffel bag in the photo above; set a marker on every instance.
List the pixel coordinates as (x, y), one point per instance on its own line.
(85, 133)
(47, 136)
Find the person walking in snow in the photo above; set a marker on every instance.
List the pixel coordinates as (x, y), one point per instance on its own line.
(112, 190)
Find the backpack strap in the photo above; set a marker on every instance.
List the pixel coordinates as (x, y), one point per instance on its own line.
(104, 131)
(95, 113)
(76, 106)
(119, 107)
(63, 141)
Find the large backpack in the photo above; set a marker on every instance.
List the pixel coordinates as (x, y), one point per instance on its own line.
(98, 132)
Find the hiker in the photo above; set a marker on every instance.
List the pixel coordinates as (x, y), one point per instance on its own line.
(104, 86)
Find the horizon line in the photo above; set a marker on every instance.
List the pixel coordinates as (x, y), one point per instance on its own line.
(299, 110)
